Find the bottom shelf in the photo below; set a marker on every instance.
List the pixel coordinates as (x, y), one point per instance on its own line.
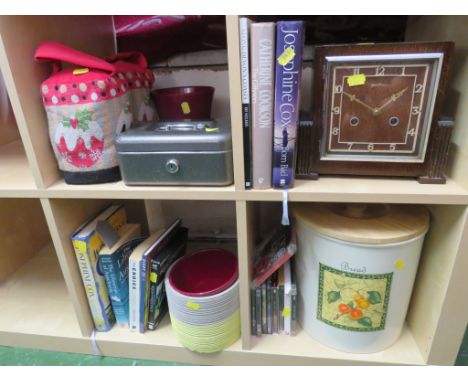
(36, 312)
(162, 345)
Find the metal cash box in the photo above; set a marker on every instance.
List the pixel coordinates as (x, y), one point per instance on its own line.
(195, 153)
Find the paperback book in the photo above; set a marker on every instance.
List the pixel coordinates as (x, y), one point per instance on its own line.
(262, 53)
(139, 268)
(87, 244)
(289, 47)
(114, 263)
(244, 26)
(174, 249)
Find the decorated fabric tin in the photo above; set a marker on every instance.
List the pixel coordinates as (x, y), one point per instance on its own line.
(356, 266)
(89, 103)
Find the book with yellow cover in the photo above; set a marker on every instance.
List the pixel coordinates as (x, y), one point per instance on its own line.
(87, 244)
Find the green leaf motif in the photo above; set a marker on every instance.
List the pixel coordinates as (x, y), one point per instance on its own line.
(365, 321)
(351, 304)
(339, 283)
(333, 296)
(374, 297)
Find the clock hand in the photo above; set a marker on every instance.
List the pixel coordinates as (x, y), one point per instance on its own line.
(392, 98)
(353, 98)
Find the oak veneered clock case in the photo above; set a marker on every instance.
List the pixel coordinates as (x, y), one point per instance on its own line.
(377, 110)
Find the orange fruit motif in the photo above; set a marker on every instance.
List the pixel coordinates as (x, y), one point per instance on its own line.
(355, 314)
(344, 308)
(358, 297)
(363, 303)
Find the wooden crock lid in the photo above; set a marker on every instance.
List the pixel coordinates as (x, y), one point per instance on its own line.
(364, 223)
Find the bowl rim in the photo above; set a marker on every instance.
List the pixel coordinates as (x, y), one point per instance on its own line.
(225, 285)
(176, 90)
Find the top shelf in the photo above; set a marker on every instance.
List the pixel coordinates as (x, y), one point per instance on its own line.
(326, 189)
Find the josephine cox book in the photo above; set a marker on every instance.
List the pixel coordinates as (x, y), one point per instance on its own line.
(289, 47)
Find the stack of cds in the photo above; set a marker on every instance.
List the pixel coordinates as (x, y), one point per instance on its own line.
(203, 297)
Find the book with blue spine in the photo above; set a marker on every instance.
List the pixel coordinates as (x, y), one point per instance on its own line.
(289, 48)
(114, 263)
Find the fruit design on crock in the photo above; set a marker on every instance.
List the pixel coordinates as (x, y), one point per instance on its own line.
(79, 139)
(125, 119)
(362, 309)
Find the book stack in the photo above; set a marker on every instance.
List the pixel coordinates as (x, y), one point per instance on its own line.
(274, 289)
(271, 70)
(123, 272)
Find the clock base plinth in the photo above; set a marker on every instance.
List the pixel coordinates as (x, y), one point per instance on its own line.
(430, 180)
(308, 176)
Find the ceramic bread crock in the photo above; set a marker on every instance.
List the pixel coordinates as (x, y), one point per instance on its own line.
(356, 265)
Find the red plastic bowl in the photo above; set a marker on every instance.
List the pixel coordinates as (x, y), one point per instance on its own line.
(204, 273)
(185, 102)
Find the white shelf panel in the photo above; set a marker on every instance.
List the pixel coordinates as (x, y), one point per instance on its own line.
(366, 189)
(35, 308)
(16, 179)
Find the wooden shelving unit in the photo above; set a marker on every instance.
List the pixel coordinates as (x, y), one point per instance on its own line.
(42, 301)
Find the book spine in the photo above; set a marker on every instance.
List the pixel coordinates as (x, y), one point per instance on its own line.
(134, 294)
(258, 309)
(153, 295)
(289, 47)
(118, 300)
(262, 53)
(101, 316)
(244, 25)
(144, 296)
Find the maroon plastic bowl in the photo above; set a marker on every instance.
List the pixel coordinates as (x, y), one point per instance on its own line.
(185, 102)
(204, 273)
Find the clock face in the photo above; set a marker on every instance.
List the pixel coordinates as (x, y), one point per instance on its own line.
(379, 108)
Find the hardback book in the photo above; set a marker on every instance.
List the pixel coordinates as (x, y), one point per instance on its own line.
(173, 250)
(287, 298)
(114, 264)
(273, 252)
(244, 26)
(87, 244)
(139, 265)
(262, 54)
(289, 47)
